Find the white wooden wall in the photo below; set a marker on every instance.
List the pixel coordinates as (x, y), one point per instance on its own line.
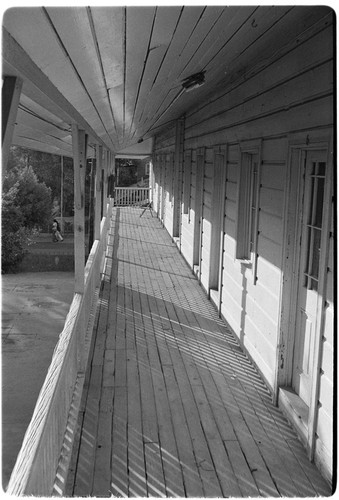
(290, 95)
(324, 440)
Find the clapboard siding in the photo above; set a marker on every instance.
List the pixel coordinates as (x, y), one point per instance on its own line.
(324, 437)
(258, 344)
(324, 443)
(283, 75)
(290, 95)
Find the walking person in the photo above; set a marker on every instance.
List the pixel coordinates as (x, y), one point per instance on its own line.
(56, 230)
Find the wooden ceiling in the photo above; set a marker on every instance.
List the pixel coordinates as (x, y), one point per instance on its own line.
(118, 71)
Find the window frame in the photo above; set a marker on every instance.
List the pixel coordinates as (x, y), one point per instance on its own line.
(248, 189)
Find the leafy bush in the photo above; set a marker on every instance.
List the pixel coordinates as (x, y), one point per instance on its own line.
(26, 205)
(13, 249)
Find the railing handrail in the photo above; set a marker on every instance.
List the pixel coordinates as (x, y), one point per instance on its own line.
(131, 188)
(37, 463)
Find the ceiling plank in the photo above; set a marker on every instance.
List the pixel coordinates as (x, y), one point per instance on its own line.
(164, 28)
(194, 45)
(230, 55)
(16, 58)
(109, 24)
(74, 31)
(43, 142)
(139, 21)
(226, 26)
(188, 20)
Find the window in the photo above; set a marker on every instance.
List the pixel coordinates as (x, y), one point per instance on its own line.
(247, 210)
(314, 225)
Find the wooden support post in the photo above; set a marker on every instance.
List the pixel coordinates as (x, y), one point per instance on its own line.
(98, 192)
(11, 91)
(62, 193)
(151, 182)
(79, 154)
(105, 165)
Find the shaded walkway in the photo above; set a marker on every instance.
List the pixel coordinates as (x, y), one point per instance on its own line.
(172, 406)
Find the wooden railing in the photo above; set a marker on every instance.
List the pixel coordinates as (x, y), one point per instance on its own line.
(127, 196)
(42, 463)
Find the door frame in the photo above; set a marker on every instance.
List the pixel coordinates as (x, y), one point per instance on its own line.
(290, 273)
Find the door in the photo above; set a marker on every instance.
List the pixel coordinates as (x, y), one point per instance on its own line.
(310, 232)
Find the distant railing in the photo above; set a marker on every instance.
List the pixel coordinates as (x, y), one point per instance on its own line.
(130, 196)
(46, 449)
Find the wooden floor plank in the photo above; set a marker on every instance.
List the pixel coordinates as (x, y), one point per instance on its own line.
(119, 455)
(186, 457)
(102, 470)
(171, 405)
(135, 442)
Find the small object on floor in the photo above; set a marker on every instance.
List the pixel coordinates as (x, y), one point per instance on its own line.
(147, 206)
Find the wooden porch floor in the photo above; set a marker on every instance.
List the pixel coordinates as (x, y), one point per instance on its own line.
(171, 405)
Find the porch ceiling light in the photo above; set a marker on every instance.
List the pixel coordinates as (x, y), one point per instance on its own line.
(194, 81)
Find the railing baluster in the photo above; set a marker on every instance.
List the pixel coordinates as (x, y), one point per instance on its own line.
(129, 196)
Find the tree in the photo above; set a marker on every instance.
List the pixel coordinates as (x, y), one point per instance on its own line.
(47, 167)
(31, 196)
(26, 206)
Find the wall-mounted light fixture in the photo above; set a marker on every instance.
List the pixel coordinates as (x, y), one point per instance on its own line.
(194, 81)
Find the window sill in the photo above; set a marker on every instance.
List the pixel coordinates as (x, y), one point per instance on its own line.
(245, 262)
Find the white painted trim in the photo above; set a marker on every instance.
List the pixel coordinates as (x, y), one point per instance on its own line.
(290, 269)
(98, 192)
(79, 154)
(217, 219)
(328, 192)
(244, 201)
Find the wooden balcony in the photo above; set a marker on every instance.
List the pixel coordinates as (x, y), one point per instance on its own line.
(171, 404)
